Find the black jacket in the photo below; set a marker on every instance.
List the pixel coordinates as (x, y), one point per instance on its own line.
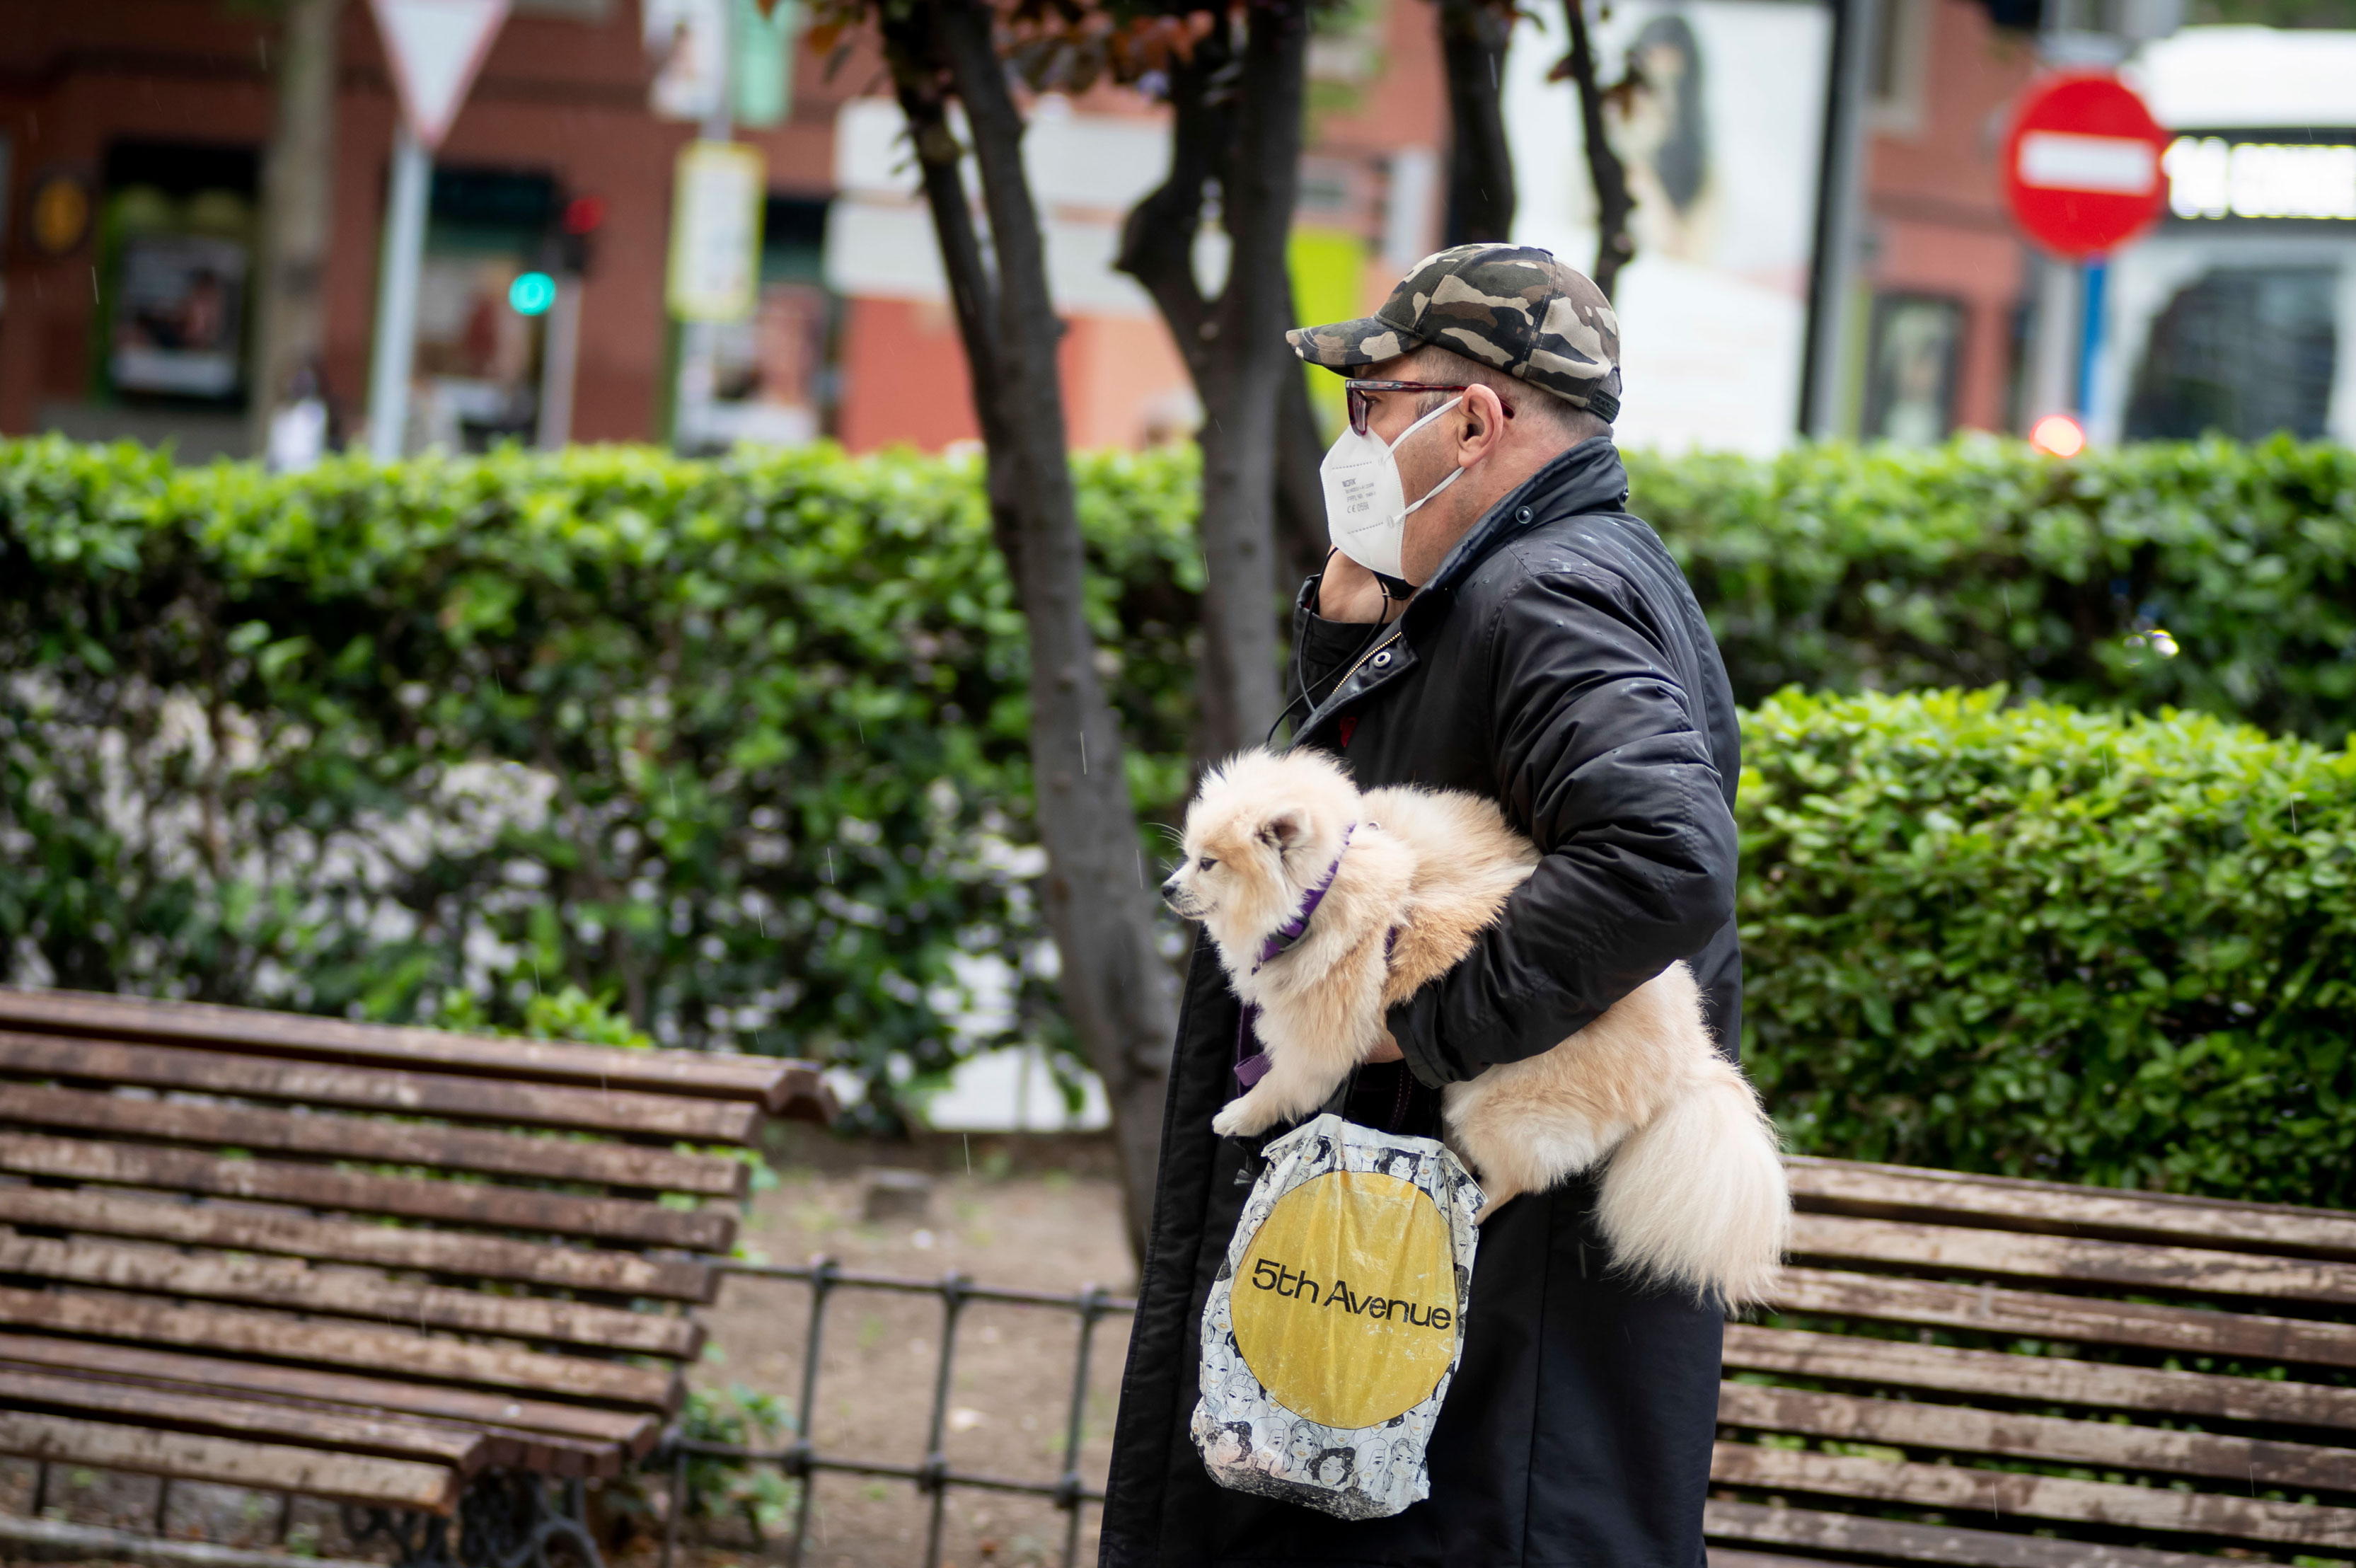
(1558, 663)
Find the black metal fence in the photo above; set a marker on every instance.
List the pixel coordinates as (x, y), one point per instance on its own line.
(932, 1475)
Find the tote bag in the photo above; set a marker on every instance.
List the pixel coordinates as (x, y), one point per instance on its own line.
(1337, 1320)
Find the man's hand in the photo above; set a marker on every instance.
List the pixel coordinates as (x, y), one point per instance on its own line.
(1385, 1050)
(1347, 591)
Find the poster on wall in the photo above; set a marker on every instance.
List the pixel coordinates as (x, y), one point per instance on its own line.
(179, 315)
(1719, 120)
(1914, 350)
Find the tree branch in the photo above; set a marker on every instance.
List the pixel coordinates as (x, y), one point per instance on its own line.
(1613, 246)
(1115, 985)
(1157, 240)
(972, 290)
(916, 76)
(1241, 695)
(1481, 191)
(1301, 534)
(963, 31)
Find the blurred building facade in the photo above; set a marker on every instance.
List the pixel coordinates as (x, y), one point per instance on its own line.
(1946, 276)
(131, 138)
(133, 132)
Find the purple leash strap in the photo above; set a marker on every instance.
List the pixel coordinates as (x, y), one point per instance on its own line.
(1282, 938)
(1252, 1065)
(1251, 1068)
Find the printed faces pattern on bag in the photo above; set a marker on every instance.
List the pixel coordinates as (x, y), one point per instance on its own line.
(1337, 1321)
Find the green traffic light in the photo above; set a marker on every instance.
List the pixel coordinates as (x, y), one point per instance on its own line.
(532, 294)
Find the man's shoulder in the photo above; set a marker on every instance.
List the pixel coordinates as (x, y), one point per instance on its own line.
(1612, 552)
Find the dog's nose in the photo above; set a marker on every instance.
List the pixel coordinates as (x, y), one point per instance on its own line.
(1170, 885)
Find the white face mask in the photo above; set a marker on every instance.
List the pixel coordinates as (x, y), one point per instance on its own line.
(1365, 507)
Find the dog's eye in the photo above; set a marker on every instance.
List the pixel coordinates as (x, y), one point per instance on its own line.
(1205, 864)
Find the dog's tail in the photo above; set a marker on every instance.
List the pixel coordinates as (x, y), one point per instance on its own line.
(1696, 1197)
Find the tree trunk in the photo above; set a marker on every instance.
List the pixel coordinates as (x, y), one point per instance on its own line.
(1301, 539)
(1115, 985)
(1237, 106)
(1247, 362)
(1613, 246)
(298, 215)
(1481, 196)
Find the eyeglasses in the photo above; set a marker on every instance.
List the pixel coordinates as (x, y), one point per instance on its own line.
(1362, 407)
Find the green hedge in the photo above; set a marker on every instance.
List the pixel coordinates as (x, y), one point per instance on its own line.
(1980, 563)
(741, 746)
(2111, 949)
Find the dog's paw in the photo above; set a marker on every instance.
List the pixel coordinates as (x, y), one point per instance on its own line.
(1241, 1119)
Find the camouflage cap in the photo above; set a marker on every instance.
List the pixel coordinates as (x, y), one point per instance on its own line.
(1514, 307)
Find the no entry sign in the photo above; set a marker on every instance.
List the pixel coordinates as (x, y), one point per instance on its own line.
(2081, 165)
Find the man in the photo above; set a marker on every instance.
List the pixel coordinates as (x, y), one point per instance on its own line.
(1493, 621)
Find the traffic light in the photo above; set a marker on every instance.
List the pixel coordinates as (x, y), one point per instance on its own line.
(532, 293)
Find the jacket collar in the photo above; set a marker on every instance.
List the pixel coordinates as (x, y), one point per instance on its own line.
(1586, 478)
(1590, 477)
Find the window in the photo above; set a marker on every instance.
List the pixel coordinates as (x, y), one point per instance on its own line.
(1896, 98)
(2245, 351)
(175, 249)
(1917, 345)
(478, 358)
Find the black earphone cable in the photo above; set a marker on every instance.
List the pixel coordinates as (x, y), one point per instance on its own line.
(1357, 655)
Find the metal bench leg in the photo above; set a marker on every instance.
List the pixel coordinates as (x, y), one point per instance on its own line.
(508, 1520)
(419, 1541)
(505, 1519)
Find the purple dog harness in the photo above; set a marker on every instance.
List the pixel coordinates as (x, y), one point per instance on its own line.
(1251, 1068)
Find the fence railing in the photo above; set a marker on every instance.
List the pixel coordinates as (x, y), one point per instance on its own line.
(933, 1476)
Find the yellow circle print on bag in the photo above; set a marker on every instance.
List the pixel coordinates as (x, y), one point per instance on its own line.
(1344, 1307)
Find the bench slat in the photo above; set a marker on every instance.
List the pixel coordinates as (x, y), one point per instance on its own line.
(350, 1478)
(1723, 1558)
(283, 1337)
(586, 1433)
(1757, 1523)
(1961, 1429)
(317, 1186)
(1953, 1488)
(444, 1251)
(53, 1541)
(289, 1283)
(1903, 1190)
(391, 1143)
(629, 1112)
(2126, 1263)
(464, 1449)
(2049, 1378)
(772, 1084)
(1993, 1310)
(502, 1448)
(232, 1331)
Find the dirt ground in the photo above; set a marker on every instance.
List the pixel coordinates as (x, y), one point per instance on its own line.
(1040, 1219)
(1038, 1213)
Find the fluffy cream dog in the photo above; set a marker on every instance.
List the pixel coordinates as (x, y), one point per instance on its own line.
(1330, 905)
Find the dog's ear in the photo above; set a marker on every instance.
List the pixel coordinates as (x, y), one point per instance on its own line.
(1287, 828)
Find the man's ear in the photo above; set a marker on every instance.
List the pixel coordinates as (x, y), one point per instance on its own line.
(1285, 829)
(1487, 411)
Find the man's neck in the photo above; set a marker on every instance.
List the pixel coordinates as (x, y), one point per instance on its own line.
(1492, 521)
(1482, 490)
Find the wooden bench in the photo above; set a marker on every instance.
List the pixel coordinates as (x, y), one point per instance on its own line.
(417, 1273)
(2016, 1374)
